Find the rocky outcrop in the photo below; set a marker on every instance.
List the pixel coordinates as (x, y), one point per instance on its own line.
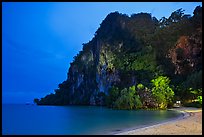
(96, 68)
(128, 50)
(186, 55)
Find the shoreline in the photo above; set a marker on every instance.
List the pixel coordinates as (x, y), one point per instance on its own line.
(178, 126)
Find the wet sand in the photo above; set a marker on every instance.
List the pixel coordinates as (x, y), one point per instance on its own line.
(189, 124)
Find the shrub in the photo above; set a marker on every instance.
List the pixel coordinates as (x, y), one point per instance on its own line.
(162, 91)
(129, 99)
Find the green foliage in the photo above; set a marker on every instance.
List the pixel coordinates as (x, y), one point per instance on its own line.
(193, 80)
(140, 86)
(199, 98)
(144, 62)
(197, 95)
(196, 91)
(196, 104)
(129, 99)
(162, 91)
(191, 87)
(113, 95)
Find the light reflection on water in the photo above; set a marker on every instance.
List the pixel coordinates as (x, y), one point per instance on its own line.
(65, 120)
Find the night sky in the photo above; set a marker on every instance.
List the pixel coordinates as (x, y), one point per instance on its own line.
(39, 40)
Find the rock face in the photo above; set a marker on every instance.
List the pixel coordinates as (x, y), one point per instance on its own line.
(94, 70)
(186, 55)
(126, 51)
(92, 73)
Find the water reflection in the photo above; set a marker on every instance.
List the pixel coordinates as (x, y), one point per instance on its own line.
(58, 120)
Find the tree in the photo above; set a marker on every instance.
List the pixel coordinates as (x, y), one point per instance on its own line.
(176, 16)
(197, 17)
(129, 99)
(162, 91)
(113, 95)
(163, 22)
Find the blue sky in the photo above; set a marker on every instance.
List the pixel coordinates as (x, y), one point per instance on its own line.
(39, 40)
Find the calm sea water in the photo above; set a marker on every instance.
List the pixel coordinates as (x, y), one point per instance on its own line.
(64, 120)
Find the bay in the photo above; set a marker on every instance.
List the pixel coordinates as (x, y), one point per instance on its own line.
(76, 120)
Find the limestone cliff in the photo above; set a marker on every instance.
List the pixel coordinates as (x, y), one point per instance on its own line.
(127, 50)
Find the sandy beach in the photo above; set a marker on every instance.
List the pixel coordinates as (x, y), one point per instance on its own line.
(189, 124)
